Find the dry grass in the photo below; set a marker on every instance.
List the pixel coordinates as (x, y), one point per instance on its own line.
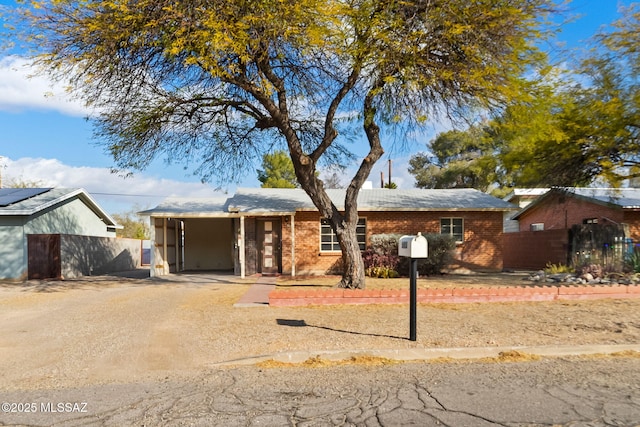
(319, 362)
(475, 280)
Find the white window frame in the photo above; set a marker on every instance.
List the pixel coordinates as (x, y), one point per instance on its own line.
(450, 228)
(329, 240)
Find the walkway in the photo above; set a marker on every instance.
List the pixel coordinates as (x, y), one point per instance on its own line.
(258, 293)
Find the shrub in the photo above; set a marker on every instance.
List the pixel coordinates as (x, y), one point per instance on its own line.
(381, 259)
(558, 268)
(441, 249)
(632, 262)
(380, 265)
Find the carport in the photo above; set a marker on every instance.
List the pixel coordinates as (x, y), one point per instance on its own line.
(215, 235)
(192, 235)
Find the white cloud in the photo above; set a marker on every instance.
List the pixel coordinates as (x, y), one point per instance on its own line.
(22, 88)
(114, 193)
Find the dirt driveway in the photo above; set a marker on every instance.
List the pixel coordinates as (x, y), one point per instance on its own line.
(114, 330)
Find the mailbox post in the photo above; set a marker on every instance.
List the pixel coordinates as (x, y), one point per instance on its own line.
(413, 247)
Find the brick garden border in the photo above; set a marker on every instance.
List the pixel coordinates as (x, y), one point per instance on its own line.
(301, 297)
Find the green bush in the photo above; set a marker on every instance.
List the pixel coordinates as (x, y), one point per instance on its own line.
(632, 262)
(558, 268)
(440, 254)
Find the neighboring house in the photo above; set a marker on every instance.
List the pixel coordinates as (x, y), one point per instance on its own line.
(544, 225)
(32, 221)
(271, 231)
(562, 208)
(521, 197)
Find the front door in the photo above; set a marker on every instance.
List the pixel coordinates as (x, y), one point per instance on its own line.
(269, 246)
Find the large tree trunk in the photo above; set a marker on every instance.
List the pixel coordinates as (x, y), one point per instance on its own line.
(353, 267)
(343, 223)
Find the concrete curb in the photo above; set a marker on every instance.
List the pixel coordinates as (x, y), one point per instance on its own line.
(290, 298)
(426, 354)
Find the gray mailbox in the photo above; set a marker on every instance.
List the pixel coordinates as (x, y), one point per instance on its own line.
(413, 246)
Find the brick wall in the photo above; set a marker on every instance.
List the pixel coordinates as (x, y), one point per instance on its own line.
(532, 250)
(561, 212)
(481, 250)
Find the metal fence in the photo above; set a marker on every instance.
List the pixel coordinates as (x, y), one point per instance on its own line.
(606, 245)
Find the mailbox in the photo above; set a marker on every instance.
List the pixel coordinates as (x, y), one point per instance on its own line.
(413, 246)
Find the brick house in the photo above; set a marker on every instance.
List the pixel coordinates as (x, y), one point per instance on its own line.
(561, 208)
(544, 224)
(279, 231)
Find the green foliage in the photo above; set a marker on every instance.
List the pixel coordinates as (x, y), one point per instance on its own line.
(632, 262)
(456, 159)
(134, 227)
(558, 269)
(277, 171)
(441, 251)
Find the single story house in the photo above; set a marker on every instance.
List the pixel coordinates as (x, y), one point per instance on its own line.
(279, 231)
(32, 221)
(562, 208)
(521, 197)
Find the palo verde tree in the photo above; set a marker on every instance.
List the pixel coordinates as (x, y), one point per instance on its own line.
(215, 81)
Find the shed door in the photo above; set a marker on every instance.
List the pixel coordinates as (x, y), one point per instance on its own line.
(269, 244)
(44, 256)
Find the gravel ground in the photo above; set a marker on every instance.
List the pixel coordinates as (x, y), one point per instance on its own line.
(117, 330)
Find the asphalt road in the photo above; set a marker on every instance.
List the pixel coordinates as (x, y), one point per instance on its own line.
(550, 392)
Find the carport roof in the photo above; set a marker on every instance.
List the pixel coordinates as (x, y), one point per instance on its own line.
(178, 207)
(284, 201)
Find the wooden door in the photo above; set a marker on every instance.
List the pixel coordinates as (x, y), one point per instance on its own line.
(269, 244)
(43, 256)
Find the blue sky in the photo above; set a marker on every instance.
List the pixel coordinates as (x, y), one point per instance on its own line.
(45, 138)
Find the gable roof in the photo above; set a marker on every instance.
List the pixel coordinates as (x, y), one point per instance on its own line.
(27, 203)
(286, 201)
(620, 198)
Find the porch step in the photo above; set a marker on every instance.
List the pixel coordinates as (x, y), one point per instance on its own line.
(258, 294)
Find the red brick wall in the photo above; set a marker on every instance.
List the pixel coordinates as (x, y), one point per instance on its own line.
(481, 250)
(532, 250)
(561, 212)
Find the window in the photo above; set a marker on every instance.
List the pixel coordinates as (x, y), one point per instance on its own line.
(453, 227)
(538, 226)
(329, 240)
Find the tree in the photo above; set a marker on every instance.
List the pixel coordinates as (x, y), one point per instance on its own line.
(217, 81)
(277, 171)
(133, 227)
(609, 106)
(584, 125)
(543, 141)
(456, 159)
